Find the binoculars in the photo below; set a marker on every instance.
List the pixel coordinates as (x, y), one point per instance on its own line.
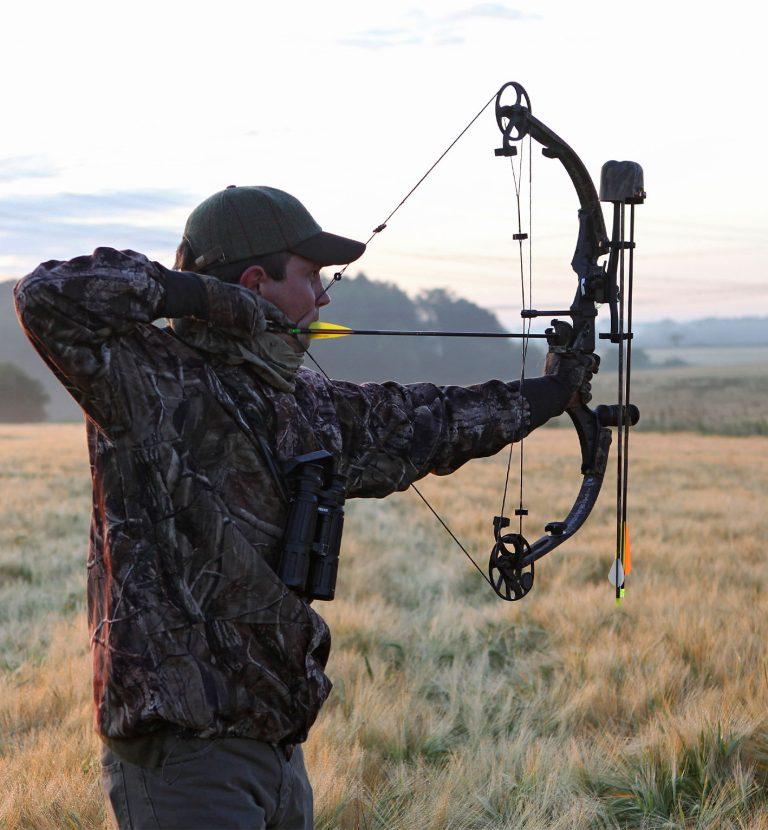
(309, 560)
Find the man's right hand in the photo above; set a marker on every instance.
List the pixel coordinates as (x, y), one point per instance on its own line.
(239, 310)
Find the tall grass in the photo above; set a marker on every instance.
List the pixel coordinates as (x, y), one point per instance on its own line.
(712, 400)
(452, 709)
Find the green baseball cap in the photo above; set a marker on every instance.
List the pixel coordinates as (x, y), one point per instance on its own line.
(240, 223)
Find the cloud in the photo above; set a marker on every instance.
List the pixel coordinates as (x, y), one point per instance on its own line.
(62, 225)
(448, 40)
(495, 11)
(95, 207)
(383, 38)
(442, 30)
(16, 168)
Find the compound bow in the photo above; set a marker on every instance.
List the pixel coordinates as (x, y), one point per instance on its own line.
(511, 564)
(512, 570)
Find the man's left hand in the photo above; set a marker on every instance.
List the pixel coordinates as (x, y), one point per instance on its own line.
(575, 372)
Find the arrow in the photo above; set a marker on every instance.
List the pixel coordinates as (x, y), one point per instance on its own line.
(327, 331)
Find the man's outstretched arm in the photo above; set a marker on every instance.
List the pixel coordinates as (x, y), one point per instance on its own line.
(396, 434)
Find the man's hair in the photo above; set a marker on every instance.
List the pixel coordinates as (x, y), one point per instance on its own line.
(273, 264)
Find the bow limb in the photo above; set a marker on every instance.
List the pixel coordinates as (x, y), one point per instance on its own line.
(517, 118)
(595, 442)
(511, 565)
(595, 284)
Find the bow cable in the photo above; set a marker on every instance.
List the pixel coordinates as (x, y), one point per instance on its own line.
(411, 485)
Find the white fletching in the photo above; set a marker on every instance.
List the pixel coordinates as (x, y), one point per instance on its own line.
(616, 574)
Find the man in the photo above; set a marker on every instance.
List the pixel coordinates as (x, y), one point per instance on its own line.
(208, 670)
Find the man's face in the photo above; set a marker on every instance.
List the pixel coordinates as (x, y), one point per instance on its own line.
(299, 296)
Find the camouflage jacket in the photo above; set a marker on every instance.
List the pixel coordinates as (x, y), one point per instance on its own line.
(191, 629)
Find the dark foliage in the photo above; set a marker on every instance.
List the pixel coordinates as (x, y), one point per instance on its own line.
(368, 304)
(22, 398)
(609, 358)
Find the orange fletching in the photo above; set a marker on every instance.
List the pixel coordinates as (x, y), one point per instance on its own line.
(627, 551)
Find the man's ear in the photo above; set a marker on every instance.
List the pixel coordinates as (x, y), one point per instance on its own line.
(253, 278)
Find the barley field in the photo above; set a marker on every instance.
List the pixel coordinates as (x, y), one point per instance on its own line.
(453, 709)
(708, 399)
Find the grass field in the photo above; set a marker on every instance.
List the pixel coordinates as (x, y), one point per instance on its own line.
(452, 709)
(735, 356)
(712, 400)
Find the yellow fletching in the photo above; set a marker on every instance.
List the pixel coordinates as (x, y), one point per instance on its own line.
(327, 330)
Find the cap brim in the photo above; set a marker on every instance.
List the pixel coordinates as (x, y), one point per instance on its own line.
(328, 249)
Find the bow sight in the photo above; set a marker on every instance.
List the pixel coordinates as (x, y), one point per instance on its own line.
(511, 565)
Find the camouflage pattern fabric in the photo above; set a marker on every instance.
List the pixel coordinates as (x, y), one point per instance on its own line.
(190, 627)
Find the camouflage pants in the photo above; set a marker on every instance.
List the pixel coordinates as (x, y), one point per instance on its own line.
(225, 783)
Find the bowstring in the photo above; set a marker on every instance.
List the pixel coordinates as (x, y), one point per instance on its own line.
(517, 179)
(339, 274)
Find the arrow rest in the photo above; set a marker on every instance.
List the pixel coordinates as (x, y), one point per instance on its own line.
(509, 578)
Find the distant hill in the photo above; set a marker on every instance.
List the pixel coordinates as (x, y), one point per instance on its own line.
(711, 331)
(371, 304)
(16, 349)
(22, 398)
(360, 302)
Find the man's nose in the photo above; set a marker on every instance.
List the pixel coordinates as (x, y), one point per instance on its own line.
(322, 298)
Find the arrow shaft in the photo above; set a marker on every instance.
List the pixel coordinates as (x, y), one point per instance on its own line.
(390, 333)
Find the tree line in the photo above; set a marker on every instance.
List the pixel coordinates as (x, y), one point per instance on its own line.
(22, 398)
(370, 304)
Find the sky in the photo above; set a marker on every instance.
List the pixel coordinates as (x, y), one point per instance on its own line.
(120, 118)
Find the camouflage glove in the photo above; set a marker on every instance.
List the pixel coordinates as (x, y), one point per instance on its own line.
(238, 310)
(574, 372)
